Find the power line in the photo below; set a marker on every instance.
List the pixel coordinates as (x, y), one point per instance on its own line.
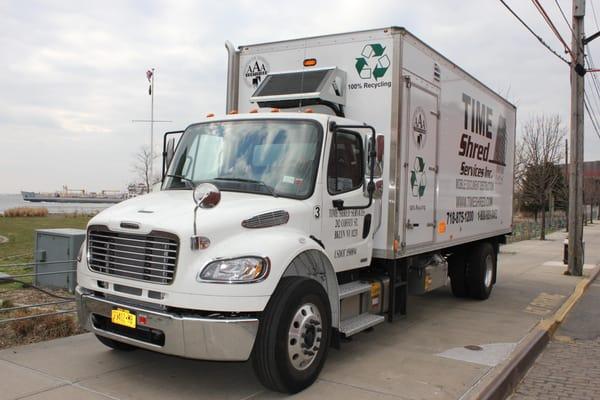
(553, 27)
(595, 83)
(591, 115)
(538, 37)
(595, 18)
(564, 16)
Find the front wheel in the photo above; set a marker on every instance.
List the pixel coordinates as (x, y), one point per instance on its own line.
(293, 336)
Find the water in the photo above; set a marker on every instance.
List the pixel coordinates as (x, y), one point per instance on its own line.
(15, 200)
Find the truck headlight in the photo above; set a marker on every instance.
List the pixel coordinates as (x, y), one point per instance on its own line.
(236, 270)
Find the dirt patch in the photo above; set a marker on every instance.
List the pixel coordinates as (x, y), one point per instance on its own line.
(32, 330)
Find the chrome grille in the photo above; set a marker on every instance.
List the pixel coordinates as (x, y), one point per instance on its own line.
(148, 258)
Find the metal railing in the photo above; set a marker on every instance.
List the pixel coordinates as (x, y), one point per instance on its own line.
(6, 278)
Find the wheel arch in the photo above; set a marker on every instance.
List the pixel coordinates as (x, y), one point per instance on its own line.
(315, 264)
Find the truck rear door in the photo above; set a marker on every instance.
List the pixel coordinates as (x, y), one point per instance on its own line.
(421, 131)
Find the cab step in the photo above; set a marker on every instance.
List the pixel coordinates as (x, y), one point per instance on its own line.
(353, 288)
(359, 323)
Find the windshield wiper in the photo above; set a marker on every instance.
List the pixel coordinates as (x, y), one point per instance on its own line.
(269, 188)
(188, 181)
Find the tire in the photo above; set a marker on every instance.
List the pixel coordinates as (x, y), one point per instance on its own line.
(299, 305)
(481, 267)
(113, 344)
(457, 268)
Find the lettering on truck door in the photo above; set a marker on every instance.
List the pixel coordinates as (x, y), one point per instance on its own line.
(421, 164)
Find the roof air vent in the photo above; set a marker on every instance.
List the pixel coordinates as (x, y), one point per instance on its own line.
(325, 86)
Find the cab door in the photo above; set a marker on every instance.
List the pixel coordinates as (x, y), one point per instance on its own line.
(421, 138)
(347, 221)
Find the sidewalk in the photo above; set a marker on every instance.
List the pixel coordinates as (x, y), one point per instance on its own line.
(569, 368)
(421, 357)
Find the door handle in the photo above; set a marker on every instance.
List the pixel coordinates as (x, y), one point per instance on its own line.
(409, 225)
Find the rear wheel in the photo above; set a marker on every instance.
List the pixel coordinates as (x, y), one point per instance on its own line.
(457, 268)
(481, 269)
(293, 336)
(113, 344)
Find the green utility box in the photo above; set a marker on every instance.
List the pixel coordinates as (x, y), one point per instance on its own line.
(55, 251)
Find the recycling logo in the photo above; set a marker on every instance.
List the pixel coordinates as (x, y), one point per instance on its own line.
(373, 62)
(418, 178)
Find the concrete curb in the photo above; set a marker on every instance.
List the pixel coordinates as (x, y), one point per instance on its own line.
(502, 384)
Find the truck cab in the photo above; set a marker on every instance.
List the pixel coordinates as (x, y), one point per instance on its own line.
(255, 211)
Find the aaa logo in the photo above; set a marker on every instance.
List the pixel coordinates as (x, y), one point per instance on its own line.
(373, 62)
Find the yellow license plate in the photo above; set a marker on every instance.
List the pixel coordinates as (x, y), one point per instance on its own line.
(123, 317)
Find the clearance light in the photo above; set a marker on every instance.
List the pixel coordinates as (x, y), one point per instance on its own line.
(210, 115)
(233, 112)
(310, 62)
(442, 227)
(275, 110)
(254, 111)
(396, 245)
(308, 110)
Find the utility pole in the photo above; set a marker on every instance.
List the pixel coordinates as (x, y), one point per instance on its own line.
(567, 175)
(576, 138)
(152, 124)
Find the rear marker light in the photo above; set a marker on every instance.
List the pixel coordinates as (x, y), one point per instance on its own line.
(310, 62)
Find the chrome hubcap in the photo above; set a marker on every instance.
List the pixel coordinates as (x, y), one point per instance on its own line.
(489, 271)
(304, 336)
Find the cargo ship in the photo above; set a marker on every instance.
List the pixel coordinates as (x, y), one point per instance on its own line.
(82, 196)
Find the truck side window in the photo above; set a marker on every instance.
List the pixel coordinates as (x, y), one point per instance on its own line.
(345, 169)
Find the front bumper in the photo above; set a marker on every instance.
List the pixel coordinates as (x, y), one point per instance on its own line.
(222, 339)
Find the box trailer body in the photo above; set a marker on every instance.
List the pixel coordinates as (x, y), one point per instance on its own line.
(449, 155)
(348, 171)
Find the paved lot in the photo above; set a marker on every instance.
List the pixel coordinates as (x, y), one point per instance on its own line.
(420, 357)
(569, 368)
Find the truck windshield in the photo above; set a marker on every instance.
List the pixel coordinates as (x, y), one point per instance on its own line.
(271, 157)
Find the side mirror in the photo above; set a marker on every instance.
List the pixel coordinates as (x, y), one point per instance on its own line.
(380, 145)
(206, 195)
(170, 152)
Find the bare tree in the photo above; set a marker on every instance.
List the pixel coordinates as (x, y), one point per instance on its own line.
(542, 150)
(519, 174)
(142, 167)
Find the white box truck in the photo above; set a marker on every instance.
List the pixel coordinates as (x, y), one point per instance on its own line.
(348, 171)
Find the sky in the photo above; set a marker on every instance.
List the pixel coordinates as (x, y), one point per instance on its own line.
(72, 73)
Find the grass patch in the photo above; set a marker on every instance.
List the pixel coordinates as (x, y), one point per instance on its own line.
(26, 212)
(20, 232)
